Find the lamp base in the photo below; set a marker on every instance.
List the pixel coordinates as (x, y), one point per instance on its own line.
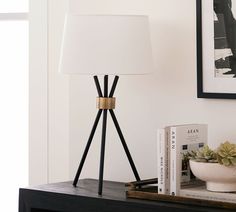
(105, 103)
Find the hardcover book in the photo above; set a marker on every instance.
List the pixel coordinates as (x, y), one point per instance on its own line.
(184, 139)
(163, 161)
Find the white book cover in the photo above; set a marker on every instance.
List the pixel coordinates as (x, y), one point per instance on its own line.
(163, 161)
(201, 193)
(183, 139)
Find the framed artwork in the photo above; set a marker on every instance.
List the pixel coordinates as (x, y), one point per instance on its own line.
(216, 49)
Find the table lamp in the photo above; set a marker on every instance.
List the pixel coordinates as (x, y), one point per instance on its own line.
(105, 45)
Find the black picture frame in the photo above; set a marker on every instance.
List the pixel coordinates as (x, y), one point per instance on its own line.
(200, 86)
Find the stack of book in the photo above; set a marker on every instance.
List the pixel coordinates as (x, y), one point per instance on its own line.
(174, 143)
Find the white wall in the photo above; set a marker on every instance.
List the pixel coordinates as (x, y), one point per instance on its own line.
(58, 97)
(38, 92)
(49, 95)
(144, 103)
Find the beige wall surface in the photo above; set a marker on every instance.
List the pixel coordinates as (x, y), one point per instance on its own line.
(144, 103)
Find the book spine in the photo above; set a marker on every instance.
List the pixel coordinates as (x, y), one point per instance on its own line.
(173, 162)
(167, 160)
(161, 154)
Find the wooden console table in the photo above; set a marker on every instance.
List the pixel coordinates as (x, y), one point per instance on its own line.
(63, 197)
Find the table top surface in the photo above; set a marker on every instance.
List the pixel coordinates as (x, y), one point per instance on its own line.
(85, 187)
(112, 191)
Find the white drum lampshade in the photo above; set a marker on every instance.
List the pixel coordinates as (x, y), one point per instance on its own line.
(106, 45)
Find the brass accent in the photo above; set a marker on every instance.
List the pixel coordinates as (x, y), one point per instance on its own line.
(106, 103)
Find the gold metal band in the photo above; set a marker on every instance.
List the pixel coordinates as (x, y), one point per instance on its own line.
(106, 103)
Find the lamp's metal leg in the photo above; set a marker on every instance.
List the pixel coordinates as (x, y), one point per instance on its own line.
(87, 148)
(104, 127)
(91, 134)
(124, 145)
(102, 157)
(98, 86)
(113, 87)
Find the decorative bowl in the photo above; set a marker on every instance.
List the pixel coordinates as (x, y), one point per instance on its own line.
(218, 178)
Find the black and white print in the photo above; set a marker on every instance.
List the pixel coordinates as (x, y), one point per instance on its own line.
(225, 38)
(216, 49)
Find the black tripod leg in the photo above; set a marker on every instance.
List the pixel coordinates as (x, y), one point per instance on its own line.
(98, 86)
(104, 127)
(87, 148)
(113, 86)
(124, 145)
(102, 157)
(91, 134)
